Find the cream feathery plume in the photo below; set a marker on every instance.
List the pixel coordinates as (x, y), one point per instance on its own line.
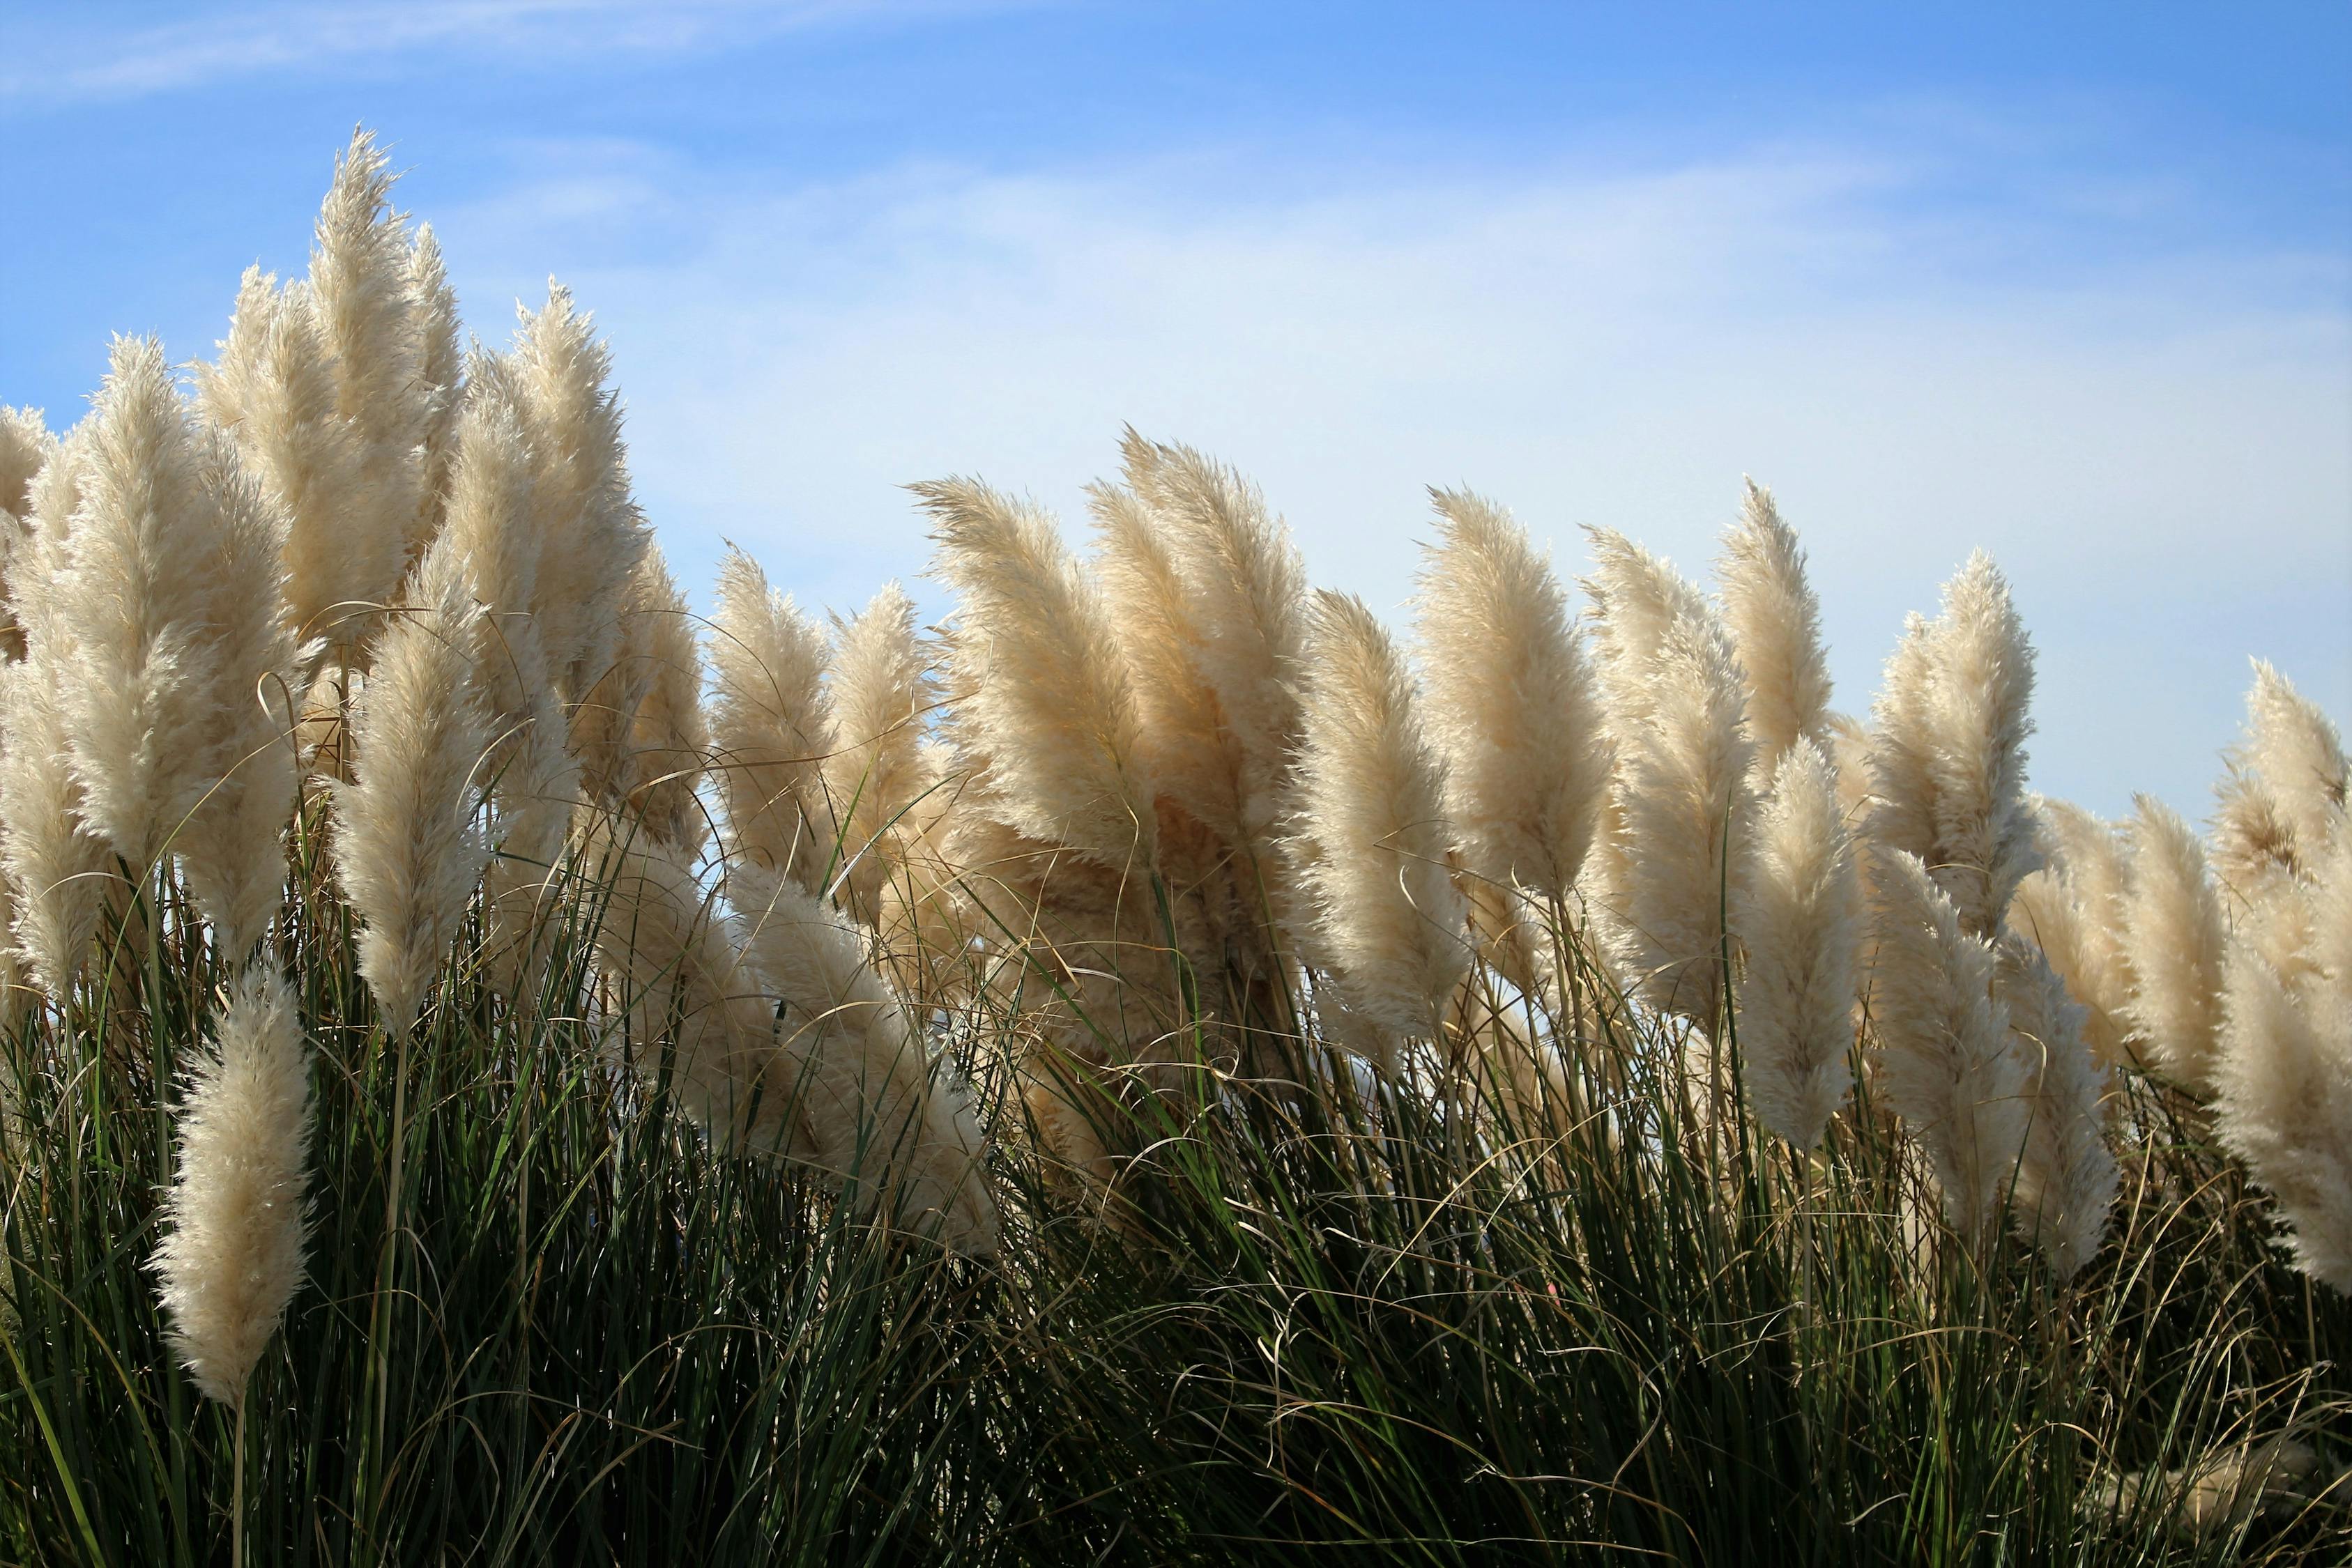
(1039, 686)
(878, 770)
(2284, 1079)
(1902, 813)
(26, 448)
(140, 589)
(1849, 748)
(591, 533)
(1511, 704)
(440, 368)
(2065, 1176)
(1386, 913)
(1946, 1058)
(1192, 754)
(876, 1116)
(231, 1257)
(1800, 921)
(534, 782)
(2092, 857)
(2072, 909)
(1637, 598)
(24, 445)
(662, 936)
(1775, 620)
(406, 848)
(234, 846)
(57, 867)
(361, 289)
(1680, 803)
(1949, 746)
(639, 734)
(2283, 798)
(771, 728)
(2174, 942)
(1246, 591)
(273, 389)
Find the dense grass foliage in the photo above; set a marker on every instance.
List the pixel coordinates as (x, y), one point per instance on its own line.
(1311, 1315)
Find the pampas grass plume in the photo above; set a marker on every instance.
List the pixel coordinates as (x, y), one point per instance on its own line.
(2066, 1176)
(1948, 750)
(2284, 1079)
(591, 533)
(273, 389)
(1246, 591)
(879, 768)
(1947, 1062)
(1681, 801)
(1774, 618)
(234, 846)
(141, 569)
(232, 1253)
(406, 848)
(876, 1114)
(769, 728)
(1037, 678)
(2174, 940)
(1802, 924)
(1511, 704)
(2283, 798)
(1386, 912)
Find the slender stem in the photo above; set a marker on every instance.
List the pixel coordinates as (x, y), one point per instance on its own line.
(385, 1280)
(237, 1492)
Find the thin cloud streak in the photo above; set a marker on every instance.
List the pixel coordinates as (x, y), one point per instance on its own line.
(65, 66)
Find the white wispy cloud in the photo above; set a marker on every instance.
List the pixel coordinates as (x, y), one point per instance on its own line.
(2159, 451)
(73, 55)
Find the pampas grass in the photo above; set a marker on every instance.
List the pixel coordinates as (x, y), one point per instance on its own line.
(1512, 706)
(879, 772)
(1802, 922)
(2284, 1079)
(2174, 939)
(1386, 915)
(1947, 1060)
(1681, 804)
(878, 1115)
(1774, 619)
(1033, 655)
(769, 728)
(1948, 747)
(232, 1255)
(2066, 1176)
(407, 851)
(1140, 1079)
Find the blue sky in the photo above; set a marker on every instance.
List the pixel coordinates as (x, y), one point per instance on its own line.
(2073, 283)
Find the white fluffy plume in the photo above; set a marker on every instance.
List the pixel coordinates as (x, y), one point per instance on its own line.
(1948, 747)
(1386, 913)
(770, 730)
(2174, 940)
(232, 1251)
(2285, 1080)
(1774, 618)
(1802, 922)
(1948, 1061)
(878, 1117)
(1031, 657)
(1512, 706)
(1681, 801)
(2065, 1175)
(408, 850)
